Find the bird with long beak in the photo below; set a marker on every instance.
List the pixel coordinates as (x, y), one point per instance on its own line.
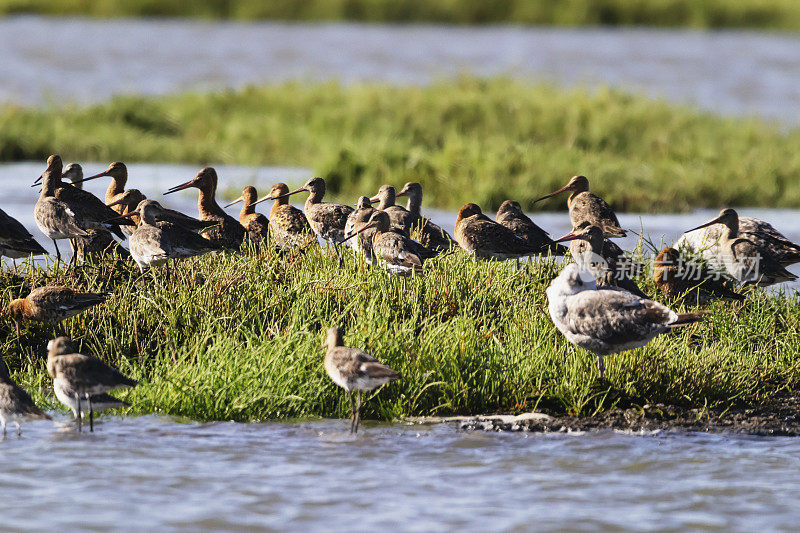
(98, 244)
(510, 215)
(744, 260)
(356, 219)
(482, 237)
(602, 258)
(52, 304)
(157, 240)
(228, 232)
(399, 216)
(607, 321)
(17, 242)
(706, 241)
(119, 178)
(256, 224)
(584, 206)
(431, 235)
(691, 281)
(390, 247)
(326, 219)
(131, 198)
(354, 370)
(288, 225)
(16, 405)
(84, 376)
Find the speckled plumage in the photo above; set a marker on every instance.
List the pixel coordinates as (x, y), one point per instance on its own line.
(256, 224)
(53, 304)
(390, 247)
(510, 215)
(399, 217)
(431, 235)
(478, 235)
(584, 206)
(696, 285)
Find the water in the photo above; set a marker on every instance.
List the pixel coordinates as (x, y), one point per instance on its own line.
(151, 472)
(57, 59)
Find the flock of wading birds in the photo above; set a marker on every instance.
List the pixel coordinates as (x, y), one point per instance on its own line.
(593, 301)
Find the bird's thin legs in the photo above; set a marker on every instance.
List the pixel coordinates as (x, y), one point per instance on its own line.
(79, 415)
(601, 366)
(358, 411)
(91, 413)
(352, 412)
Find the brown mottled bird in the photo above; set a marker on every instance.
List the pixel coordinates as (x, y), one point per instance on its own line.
(356, 219)
(354, 370)
(52, 304)
(602, 258)
(692, 281)
(587, 207)
(228, 233)
(389, 246)
(431, 235)
(287, 224)
(15, 241)
(510, 215)
(16, 404)
(83, 375)
(256, 224)
(326, 219)
(399, 216)
(482, 237)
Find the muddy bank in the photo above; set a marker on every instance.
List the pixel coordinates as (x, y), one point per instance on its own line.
(778, 417)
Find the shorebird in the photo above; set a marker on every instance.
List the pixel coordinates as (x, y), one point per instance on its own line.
(16, 404)
(606, 321)
(690, 280)
(746, 261)
(228, 234)
(155, 242)
(89, 209)
(354, 370)
(131, 198)
(482, 237)
(602, 258)
(356, 219)
(119, 178)
(431, 235)
(706, 242)
(287, 224)
(326, 219)
(81, 375)
(584, 206)
(98, 243)
(256, 224)
(389, 246)
(15, 241)
(510, 215)
(52, 304)
(399, 216)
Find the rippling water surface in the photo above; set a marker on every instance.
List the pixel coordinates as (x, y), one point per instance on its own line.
(151, 472)
(56, 59)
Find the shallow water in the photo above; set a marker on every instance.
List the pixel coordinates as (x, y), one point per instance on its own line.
(150, 472)
(57, 59)
(153, 179)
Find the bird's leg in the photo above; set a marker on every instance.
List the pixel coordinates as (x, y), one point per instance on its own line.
(91, 413)
(78, 413)
(58, 253)
(358, 410)
(601, 366)
(19, 429)
(352, 411)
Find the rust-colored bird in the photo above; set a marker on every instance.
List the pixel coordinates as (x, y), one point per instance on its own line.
(84, 376)
(602, 258)
(389, 246)
(587, 207)
(52, 304)
(482, 237)
(287, 224)
(746, 261)
(354, 370)
(689, 280)
(256, 224)
(228, 233)
(119, 178)
(131, 198)
(16, 404)
(431, 235)
(510, 215)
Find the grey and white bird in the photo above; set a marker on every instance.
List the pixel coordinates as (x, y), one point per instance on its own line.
(607, 321)
(354, 370)
(16, 404)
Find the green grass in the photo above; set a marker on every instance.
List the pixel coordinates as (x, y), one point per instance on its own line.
(465, 140)
(237, 337)
(772, 14)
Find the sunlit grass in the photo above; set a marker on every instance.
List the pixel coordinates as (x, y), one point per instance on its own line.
(239, 337)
